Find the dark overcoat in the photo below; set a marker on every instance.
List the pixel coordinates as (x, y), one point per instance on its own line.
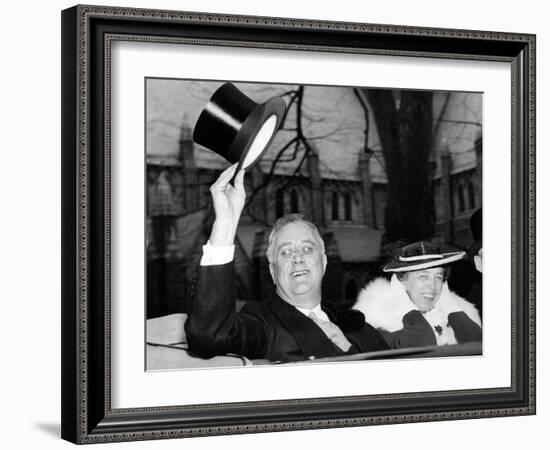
(273, 330)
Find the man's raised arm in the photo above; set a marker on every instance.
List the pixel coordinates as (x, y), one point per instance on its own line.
(213, 327)
(228, 206)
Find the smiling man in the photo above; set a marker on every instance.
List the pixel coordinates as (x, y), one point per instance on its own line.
(416, 308)
(295, 325)
(297, 261)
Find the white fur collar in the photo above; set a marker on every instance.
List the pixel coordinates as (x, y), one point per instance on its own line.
(384, 303)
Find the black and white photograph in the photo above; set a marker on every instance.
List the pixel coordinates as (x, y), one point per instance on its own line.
(389, 149)
(311, 223)
(280, 224)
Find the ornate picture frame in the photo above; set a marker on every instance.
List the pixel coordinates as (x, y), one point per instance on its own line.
(88, 36)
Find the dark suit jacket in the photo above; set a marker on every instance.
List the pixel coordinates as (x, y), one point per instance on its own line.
(276, 330)
(476, 297)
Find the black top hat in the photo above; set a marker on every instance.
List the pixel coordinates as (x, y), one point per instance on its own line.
(236, 127)
(420, 255)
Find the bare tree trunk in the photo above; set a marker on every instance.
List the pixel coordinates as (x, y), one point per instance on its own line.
(406, 138)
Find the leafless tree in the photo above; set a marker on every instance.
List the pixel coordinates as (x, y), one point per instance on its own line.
(408, 127)
(406, 135)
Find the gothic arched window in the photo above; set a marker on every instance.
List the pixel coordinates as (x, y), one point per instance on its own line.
(471, 195)
(294, 204)
(461, 203)
(335, 206)
(279, 203)
(347, 206)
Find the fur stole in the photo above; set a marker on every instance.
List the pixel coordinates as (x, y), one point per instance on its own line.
(384, 303)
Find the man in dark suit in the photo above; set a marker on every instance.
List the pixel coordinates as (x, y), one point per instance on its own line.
(293, 327)
(475, 254)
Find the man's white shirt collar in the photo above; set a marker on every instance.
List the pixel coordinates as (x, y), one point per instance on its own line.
(321, 315)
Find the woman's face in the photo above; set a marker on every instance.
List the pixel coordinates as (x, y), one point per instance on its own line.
(424, 287)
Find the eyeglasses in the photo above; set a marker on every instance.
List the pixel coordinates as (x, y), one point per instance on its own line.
(305, 250)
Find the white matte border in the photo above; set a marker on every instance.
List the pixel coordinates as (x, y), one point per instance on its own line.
(133, 387)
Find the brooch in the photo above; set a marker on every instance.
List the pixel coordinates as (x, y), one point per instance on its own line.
(438, 329)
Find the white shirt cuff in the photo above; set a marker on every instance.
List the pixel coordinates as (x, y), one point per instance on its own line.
(213, 255)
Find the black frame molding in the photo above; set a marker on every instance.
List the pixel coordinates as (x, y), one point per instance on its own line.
(87, 33)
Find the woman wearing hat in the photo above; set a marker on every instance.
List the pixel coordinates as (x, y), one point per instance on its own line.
(416, 308)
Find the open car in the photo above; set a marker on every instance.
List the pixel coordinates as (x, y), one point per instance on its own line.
(167, 349)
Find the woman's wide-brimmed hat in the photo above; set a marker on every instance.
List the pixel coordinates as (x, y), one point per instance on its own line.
(237, 128)
(420, 255)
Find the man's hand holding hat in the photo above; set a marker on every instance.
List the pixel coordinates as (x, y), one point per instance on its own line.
(228, 202)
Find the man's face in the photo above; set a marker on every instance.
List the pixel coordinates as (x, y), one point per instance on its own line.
(298, 265)
(424, 287)
(478, 260)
